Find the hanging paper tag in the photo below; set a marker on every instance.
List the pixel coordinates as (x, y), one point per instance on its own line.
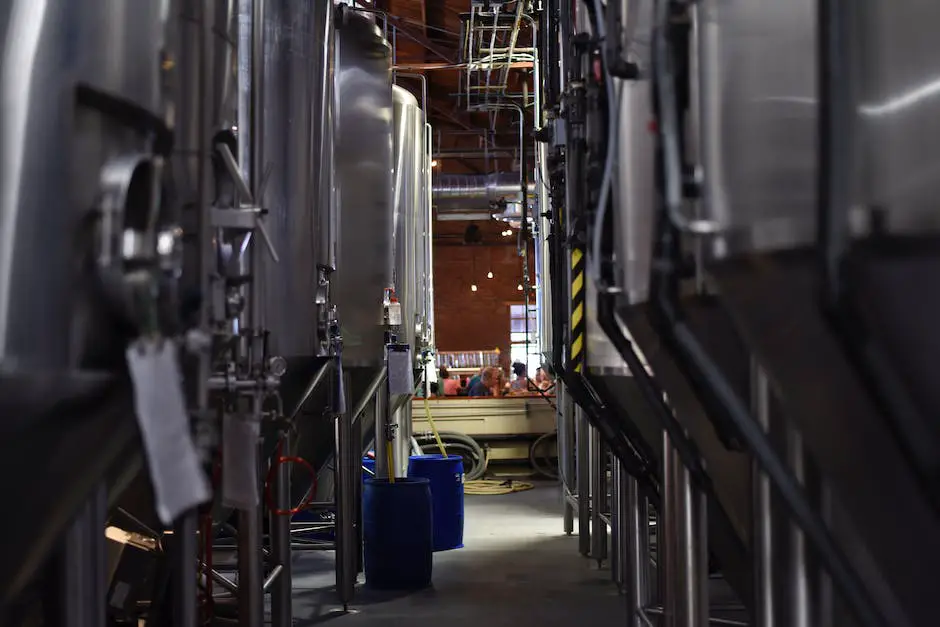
(394, 314)
(179, 482)
(401, 377)
(240, 462)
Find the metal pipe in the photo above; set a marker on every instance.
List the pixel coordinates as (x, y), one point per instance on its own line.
(184, 550)
(487, 187)
(762, 516)
(279, 522)
(667, 536)
(637, 552)
(377, 380)
(382, 439)
(250, 566)
(565, 424)
(618, 520)
(799, 586)
(582, 435)
(424, 88)
(315, 382)
(346, 473)
(598, 478)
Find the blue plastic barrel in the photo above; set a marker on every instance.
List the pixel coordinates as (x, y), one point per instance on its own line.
(397, 533)
(446, 477)
(368, 464)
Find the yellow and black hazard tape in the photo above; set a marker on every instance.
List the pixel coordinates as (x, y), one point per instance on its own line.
(578, 264)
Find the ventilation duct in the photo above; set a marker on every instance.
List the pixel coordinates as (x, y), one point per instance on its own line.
(479, 189)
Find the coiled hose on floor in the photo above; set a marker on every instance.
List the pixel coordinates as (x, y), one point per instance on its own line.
(542, 461)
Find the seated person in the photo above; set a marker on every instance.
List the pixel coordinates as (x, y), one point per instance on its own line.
(488, 385)
(543, 379)
(451, 386)
(475, 378)
(520, 384)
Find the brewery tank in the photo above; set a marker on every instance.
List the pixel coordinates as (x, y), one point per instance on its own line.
(407, 148)
(67, 71)
(364, 177)
(296, 151)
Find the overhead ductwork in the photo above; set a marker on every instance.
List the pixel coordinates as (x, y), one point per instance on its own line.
(478, 189)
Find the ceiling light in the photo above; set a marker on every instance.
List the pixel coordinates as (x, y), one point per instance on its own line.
(473, 287)
(434, 163)
(519, 287)
(489, 275)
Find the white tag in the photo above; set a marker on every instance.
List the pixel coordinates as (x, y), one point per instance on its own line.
(179, 483)
(394, 314)
(401, 377)
(240, 462)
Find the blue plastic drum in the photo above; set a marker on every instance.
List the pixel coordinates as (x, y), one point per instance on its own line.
(446, 478)
(368, 468)
(397, 533)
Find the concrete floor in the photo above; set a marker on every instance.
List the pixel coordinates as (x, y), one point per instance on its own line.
(517, 569)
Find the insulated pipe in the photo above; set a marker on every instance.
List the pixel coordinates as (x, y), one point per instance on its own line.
(486, 187)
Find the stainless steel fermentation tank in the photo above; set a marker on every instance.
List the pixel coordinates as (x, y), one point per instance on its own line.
(82, 125)
(297, 163)
(754, 130)
(411, 243)
(364, 167)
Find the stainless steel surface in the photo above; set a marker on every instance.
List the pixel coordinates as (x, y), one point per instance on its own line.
(634, 192)
(404, 428)
(53, 147)
(600, 356)
(364, 186)
(598, 500)
(282, 585)
(408, 157)
(693, 551)
(897, 104)
(294, 152)
(757, 118)
(763, 520)
(582, 434)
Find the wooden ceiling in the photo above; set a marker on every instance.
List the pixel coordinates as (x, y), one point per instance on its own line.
(427, 40)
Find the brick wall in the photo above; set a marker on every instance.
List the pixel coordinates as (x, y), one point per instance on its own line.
(468, 320)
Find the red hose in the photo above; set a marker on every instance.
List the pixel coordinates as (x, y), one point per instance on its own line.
(289, 459)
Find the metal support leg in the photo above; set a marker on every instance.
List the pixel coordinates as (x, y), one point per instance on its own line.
(183, 577)
(637, 552)
(250, 567)
(799, 602)
(667, 535)
(347, 473)
(582, 436)
(381, 405)
(618, 524)
(566, 461)
(83, 586)
(281, 587)
(762, 517)
(693, 551)
(598, 457)
(683, 552)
